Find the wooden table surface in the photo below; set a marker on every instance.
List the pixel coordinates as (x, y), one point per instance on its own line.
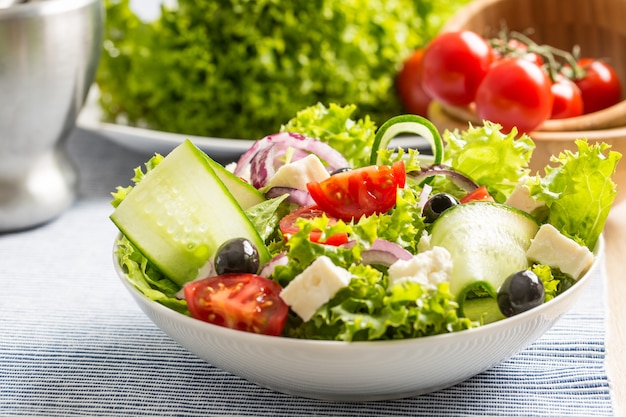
(615, 239)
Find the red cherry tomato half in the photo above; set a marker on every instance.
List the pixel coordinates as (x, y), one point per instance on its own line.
(515, 93)
(409, 85)
(479, 194)
(288, 226)
(245, 302)
(568, 100)
(359, 192)
(453, 66)
(600, 87)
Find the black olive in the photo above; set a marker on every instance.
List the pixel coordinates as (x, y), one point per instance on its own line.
(237, 255)
(521, 291)
(340, 170)
(436, 205)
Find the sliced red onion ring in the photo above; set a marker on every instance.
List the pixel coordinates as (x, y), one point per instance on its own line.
(262, 167)
(246, 158)
(264, 156)
(394, 248)
(268, 269)
(349, 244)
(296, 196)
(384, 252)
(456, 177)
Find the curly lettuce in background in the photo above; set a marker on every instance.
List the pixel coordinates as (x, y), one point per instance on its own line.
(241, 68)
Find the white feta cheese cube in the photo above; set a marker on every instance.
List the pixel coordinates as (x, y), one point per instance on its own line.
(298, 173)
(314, 287)
(427, 268)
(550, 247)
(521, 199)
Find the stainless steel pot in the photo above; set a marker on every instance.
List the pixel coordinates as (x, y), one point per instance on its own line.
(49, 53)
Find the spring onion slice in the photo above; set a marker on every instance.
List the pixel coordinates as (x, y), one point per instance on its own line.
(407, 123)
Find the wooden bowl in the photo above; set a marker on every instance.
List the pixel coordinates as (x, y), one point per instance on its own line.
(596, 26)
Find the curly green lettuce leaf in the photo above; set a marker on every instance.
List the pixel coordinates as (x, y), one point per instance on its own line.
(413, 160)
(121, 192)
(368, 310)
(554, 281)
(578, 190)
(240, 68)
(147, 279)
(489, 157)
(336, 126)
(400, 225)
(302, 252)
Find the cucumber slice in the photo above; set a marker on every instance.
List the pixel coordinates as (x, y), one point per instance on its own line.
(484, 310)
(245, 194)
(181, 212)
(487, 241)
(407, 123)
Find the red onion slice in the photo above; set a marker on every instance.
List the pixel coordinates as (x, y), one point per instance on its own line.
(268, 269)
(459, 179)
(264, 156)
(296, 196)
(394, 248)
(384, 252)
(262, 167)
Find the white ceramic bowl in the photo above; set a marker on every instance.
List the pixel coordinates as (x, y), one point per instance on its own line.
(361, 371)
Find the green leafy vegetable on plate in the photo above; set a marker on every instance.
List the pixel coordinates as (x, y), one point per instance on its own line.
(238, 69)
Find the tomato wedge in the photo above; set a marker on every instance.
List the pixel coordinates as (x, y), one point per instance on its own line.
(245, 302)
(288, 226)
(479, 194)
(360, 192)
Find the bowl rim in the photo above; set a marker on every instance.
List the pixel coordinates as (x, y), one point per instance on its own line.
(476, 332)
(561, 130)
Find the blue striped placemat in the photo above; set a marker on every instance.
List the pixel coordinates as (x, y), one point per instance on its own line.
(73, 343)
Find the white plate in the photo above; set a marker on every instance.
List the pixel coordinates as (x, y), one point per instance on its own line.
(151, 141)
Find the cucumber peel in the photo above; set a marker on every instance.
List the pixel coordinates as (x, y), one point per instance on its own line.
(407, 123)
(181, 212)
(246, 195)
(484, 309)
(487, 241)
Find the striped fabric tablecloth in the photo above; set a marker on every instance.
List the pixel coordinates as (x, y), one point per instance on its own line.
(73, 343)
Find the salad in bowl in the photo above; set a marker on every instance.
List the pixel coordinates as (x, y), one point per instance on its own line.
(347, 267)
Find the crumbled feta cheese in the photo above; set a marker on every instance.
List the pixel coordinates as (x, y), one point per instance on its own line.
(521, 199)
(550, 247)
(427, 268)
(314, 287)
(231, 167)
(298, 173)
